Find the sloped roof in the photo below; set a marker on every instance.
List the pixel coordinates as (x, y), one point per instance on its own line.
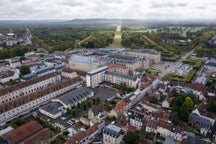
(120, 106)
(22, 132)
(38, 136)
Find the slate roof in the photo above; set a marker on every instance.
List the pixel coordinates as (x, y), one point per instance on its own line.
(52, 108)
(75, 95)
(195, 140)
(17, 135)
(201, 120)
(149, 51)
(112, 130)
(134, 78)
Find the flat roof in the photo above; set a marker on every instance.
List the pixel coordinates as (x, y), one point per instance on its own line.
(114, 128)
(84, 59)
(97, 70)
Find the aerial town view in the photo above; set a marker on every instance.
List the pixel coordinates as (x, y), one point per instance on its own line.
(107, 72)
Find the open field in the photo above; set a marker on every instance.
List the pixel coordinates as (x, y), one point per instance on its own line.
(117, 39)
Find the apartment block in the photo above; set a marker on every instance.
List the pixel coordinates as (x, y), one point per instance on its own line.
(22, 89)
(151, 54)
(22, 105)
(112, 134)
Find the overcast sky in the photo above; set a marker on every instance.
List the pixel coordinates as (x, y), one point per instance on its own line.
(132, 9)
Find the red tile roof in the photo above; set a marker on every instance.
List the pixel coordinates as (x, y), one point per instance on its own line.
(120, 106)
(38, 136)
(68, 70)
(77, 138)
(98, 108)
(17, 135)
(131, 128)
(162, 115)
(154, 95)
(196, 87)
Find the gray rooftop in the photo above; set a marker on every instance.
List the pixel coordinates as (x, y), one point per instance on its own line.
(97, 70)
(52, 108)
(134, 78)
(85, 59)
(124, 59)
(76, 95)
(149, 51)
(114, 128)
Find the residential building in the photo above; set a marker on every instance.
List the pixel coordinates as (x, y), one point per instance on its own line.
(201, 118)
(74, 97)
(68, 73)
(29, 54)
(15, 62)
(52, 110)
(112, 134)
(132, 62)
(27, 133)
(84, 137)
(8, 75)
(118, 109)
(96, 113)
(136, 119)
(22, 89)
(117, 78)
(95, 77)
(119, 68)
(151, 54)
(84, 63)
(13, 109)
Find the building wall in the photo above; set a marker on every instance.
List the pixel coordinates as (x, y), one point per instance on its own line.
(119, 80)
(7, 79)
(82, 66)
(49, 114)
(94, 80)
(108, 139)
(155, 57)
(163, 132)
(27, 107)
(29, 89)
(136, 123)
(69, 75)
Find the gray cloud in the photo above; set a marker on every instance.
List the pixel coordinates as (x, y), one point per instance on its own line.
(168, 4)
(139, 9)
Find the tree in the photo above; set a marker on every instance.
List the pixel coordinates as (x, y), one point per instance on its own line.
(98, 99)
(153, 100)
(175, 117)
(211, 107)
(22, 58)
(189, 102)
(24, 69)
(132, 138)
(184, 112)
(94, 101)
(78, 105)
(74, 112)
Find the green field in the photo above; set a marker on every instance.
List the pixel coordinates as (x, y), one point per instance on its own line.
(117, 39)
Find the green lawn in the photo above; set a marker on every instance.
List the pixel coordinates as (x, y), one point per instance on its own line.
(186, 78)
(151, 71)
(195, 62)
(117, 39)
